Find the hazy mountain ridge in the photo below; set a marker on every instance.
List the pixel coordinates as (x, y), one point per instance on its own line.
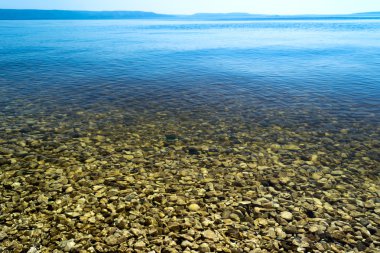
(16, 14)
(13, 14)
(248, 16)
(375, 13)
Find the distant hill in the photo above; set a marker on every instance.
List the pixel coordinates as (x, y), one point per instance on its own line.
(247, 16)
(13, 14)
(376, 14)
(10, 14)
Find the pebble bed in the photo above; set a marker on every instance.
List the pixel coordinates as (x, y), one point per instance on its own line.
(80, 181)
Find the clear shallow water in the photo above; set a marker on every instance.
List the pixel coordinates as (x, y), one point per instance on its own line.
(298, 99)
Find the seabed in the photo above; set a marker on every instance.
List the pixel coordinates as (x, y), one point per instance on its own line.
(239, 180)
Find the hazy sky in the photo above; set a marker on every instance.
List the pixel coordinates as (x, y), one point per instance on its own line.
(193, 6)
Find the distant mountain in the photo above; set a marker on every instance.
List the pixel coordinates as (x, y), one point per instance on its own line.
(247, 16)
(376, 14)
(14, 14)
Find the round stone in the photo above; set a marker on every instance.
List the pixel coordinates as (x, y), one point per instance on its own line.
(287, 215)
(204, 248)
(194, 207)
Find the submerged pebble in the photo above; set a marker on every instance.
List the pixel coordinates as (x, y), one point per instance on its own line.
(286, 215)
(194, 207)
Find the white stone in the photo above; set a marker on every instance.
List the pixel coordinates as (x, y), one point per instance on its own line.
(286, 215)
(33, 250)
(67, 245)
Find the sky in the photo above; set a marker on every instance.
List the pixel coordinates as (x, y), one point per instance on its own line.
(210, 6)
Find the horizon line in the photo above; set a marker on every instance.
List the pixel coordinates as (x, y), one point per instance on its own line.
(178, 14)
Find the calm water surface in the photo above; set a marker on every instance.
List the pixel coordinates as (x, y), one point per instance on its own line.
(295, 66)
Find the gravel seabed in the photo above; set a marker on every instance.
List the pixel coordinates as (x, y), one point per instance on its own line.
(96, 182)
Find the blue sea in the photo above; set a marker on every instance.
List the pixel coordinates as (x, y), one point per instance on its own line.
(118, 119)
(326, 65)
